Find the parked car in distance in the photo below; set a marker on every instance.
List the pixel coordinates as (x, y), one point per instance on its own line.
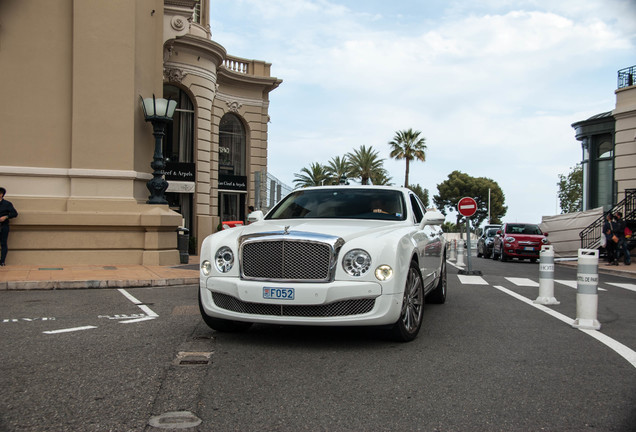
(519, 240)
(330, 256)
(486, 241)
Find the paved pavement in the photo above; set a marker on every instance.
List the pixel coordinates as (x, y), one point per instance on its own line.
(22, 277)
(25, 277)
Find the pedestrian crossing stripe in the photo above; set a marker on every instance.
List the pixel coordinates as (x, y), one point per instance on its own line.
(526, 282)
(523, 282)
(627, 286)
(472, 280)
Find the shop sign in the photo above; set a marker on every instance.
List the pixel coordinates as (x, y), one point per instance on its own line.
(229, 182)
(180, 171)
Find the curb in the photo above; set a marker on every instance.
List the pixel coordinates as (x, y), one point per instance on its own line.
(95, 284)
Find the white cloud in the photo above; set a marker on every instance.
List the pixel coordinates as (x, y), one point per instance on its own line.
(493, 86)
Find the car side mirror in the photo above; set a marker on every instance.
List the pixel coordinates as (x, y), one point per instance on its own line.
(255, 216)
(433, 217)
(545, 234)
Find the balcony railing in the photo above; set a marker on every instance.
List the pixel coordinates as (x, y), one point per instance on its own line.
(247, 67)
(626, 77)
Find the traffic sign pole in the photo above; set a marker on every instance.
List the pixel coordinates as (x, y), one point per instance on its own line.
(467, 207)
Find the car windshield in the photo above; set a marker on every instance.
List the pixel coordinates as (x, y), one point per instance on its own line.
(341, 203)
(492, 232)
(523, 229)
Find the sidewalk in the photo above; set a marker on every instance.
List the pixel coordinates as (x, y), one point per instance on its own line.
(21, 277)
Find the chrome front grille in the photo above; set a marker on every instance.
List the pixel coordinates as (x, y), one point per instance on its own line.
(336, 309)
(288, 259)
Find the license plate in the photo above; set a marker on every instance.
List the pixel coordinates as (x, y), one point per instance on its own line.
(528, 248)
(278, 293)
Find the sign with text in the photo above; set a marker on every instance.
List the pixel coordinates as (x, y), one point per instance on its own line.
(467, 206)
(180, 171)
(229, 182)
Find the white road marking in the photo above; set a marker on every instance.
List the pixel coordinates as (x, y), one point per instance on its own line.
(69, 330)
(622, 350)
(523, 282)
(472, 280)
(149, 312)
(626, 286)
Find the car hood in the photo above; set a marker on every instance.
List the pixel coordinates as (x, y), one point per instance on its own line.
(527, 237)
(344, 228)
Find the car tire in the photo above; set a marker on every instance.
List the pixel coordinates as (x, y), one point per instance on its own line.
(408, 325)
(479, 254)
(502, 256)
(438, 295)
(222, 325)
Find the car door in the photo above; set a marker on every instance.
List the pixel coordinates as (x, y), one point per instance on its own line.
(429, 242)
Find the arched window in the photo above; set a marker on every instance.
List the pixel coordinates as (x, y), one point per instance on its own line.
(603, 171)
(232, 148)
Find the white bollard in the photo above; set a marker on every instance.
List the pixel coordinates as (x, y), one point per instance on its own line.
(546, 276)
(587, 290)
(460, 253)
(453, 250)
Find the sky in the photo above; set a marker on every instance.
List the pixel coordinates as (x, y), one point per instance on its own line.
(493, 85)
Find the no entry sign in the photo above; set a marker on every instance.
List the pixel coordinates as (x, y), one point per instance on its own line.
(467, 206)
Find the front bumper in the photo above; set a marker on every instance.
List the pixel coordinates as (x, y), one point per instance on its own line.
(335, 303)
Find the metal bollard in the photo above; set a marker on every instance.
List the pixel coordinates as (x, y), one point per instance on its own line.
(587, 290)
(460, 253)
(546, 277)
(453, 251)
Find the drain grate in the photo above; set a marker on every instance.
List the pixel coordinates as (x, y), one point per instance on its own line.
(185, 358)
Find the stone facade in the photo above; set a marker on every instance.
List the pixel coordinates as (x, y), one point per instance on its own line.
(75, 148)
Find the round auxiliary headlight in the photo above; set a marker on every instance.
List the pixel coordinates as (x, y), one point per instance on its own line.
(383, 273)
(224, 259)
(356, 262)
(206, 267)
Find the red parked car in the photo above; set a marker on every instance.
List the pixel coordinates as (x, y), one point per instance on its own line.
(519, 240)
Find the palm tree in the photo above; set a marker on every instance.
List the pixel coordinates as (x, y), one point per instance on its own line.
(408, 145)
(315, 175)
(337, 168)
(381, 177)
(365, 163)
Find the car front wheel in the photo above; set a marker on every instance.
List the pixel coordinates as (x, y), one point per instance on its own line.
(438, 295)
(408, 325)
(222, 325)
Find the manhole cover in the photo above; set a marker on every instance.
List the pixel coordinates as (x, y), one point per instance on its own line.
(175, 420)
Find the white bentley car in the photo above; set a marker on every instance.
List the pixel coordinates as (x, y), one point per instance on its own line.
(330, 255)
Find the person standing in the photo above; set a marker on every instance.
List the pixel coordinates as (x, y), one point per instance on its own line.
(610, 245)
(622, 248)
(7, 211)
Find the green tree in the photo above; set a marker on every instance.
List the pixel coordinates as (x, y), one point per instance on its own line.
(365, 164)
(408, 145)
(315, 175)
(336, 168)
(381, 177)
(460, 185)
(571, 190)
(449, 227)
(422, 193)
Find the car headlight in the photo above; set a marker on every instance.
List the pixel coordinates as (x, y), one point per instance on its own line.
(383, 272)
(544, 240)
(356, 262)
(510, 239)
(224, 259)
(206, 267)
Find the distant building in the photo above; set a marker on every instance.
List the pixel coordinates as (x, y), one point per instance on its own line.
(608, 141)
(76, 150)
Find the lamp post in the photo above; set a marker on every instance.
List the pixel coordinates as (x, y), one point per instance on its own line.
(159, 112)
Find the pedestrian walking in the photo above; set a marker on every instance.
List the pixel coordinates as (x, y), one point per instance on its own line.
(7, 211)
(622, 247)
(610, 244)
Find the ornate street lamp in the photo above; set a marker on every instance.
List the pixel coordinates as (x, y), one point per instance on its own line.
(159, 112)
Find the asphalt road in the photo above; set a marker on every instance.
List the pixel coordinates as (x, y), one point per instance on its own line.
(111, 360)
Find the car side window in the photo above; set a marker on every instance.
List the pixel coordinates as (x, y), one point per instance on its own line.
(418, 208)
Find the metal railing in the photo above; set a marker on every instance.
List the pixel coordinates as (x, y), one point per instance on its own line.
(626, 77)
(591, 236)
(268, 190)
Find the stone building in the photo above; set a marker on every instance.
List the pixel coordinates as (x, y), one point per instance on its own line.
(76, 150)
